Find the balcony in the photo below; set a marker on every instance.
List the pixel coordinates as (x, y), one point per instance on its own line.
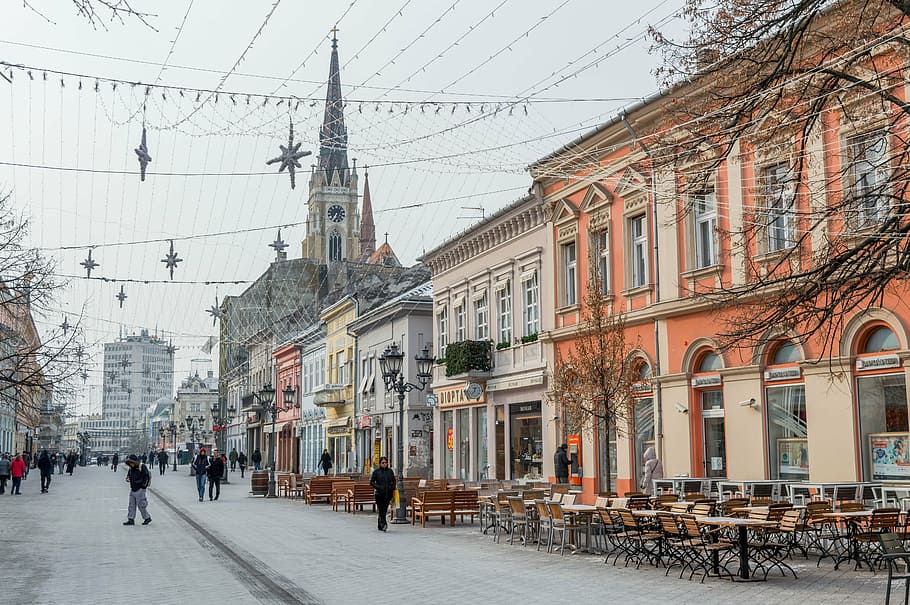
(329, 395)
(469, 359)
(519, 357)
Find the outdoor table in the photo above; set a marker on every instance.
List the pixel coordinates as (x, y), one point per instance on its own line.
(584, 511)
(743, 526)
(852, 520)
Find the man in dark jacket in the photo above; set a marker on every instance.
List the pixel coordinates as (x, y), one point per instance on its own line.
(162, 462)
(45, 467)
(241, 460)
(4, 472)
(233, 458)
(561, 464)
(115, 461)
(201, 465)
(256, 458)
(139, 479)
(215, 471)
(325, 461)
(383, 481)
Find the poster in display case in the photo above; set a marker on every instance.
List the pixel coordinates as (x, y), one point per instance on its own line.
(890, 459)
(793, 458)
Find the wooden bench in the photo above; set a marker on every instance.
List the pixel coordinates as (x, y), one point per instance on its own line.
(340, 493)
(432, 504)
(360, 495)
(465, 502)
(319, 489)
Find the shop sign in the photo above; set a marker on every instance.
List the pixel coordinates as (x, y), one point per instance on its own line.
(518, 382)
(710, 380)
(879, 362)
(783, 374)
(416, 434)
(432, 400)
(456, 396)
(338, 430)
(641, 387)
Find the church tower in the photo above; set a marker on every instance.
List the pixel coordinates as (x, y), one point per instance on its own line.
(367, 227)
(333, 221)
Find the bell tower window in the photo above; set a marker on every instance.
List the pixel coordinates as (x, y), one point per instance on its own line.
(335, 246)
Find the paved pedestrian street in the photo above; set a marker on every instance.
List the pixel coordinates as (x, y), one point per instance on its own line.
(69, 546)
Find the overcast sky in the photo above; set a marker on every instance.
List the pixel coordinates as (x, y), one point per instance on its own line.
(447, 101)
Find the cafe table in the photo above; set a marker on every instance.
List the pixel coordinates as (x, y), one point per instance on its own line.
(743, 526)
(585, 512)
(852, 520)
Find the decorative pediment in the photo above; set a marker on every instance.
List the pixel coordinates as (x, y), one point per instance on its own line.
(595, 195)
(564, 210)
(630, 182)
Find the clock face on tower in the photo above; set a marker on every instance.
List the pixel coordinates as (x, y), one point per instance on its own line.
(336, 213)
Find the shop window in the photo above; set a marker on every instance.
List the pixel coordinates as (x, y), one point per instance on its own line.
(464, 444)
(882, 403)
(483, 466)
(787, 435)
(527, 441)
(606, 447)
(448, 445)
(644, 430)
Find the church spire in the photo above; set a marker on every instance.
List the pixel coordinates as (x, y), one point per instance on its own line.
(333, 137)
(367, 227)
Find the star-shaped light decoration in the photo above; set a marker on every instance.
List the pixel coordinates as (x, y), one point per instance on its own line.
(112, 376)
(80, 352)
(65, 326)
(89, 264)
(121, 297)
(171, 259)
(289, 156)
(125, 363)
(142, 153)
(215, 311)
(171, 349)
(279, 245)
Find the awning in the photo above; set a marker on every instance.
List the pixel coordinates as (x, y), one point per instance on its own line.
(279, 427)
(338, 422)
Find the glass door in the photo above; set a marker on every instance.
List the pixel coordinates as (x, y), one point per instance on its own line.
(714, 434)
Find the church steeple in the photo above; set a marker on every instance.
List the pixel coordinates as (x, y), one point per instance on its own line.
(333, 136)
(367, 228)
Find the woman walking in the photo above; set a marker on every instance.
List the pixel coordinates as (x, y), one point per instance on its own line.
(383, 482)
(325, 461)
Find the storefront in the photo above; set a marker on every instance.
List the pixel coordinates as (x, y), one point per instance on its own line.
(881, 404)
(340, 443)
(312, 439)
(785, 414)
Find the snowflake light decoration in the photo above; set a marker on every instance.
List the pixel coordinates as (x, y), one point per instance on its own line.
(121, 296)
(171, 259)
(89, 264)
(289, 156)
(142, 154)
(215, 311)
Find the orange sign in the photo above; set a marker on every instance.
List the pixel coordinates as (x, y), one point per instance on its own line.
(450, 439)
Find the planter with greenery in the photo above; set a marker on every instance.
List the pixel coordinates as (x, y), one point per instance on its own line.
(462, 357)
(529, 338)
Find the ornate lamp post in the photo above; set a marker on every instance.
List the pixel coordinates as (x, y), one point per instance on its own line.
(165, 430)
(219, 427)
(390, 363)
(196, 427)
(273, 408)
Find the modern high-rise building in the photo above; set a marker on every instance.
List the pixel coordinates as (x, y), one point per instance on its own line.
(138, 370)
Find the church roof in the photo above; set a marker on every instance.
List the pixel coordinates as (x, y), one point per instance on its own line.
(384, 255)
(333, 136)
(367, 227)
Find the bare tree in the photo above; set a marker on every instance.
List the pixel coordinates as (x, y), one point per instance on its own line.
(32, 365)
(815, 86)
(592, 383)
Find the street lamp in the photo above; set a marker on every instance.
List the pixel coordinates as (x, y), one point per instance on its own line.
(390, 363)
(84, 438)
(266, 398)
(196, 427)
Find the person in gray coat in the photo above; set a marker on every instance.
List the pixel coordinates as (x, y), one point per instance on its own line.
(651, 469)
(4, 472)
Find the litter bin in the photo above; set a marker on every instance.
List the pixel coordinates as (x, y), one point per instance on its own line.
(259, 483)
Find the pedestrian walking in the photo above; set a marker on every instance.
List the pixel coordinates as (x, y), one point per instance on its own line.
(233, 458)
(27, 460)
(4, 472)
(383, 482)
(162, 462)
(61, 461)
(561, 464)
(325, 461)
(45, 467)
(257, 459)
(201, 465)
(115, 462)
(215, 471)
(70, 463)
(139, 479)
(652, 469)
(241, 460)
(17, 470)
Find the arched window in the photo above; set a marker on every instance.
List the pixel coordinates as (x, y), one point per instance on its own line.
(785, 353)
(879, 340)
(643, 410)
(335, 246)
(710, 363)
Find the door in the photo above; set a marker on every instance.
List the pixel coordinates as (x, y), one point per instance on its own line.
(714, 434)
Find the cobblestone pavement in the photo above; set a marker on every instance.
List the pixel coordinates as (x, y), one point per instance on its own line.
(69, 546)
